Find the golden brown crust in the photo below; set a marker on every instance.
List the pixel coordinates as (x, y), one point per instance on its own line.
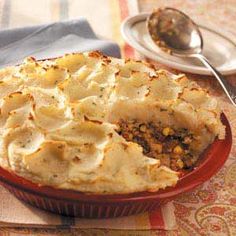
(58, 121)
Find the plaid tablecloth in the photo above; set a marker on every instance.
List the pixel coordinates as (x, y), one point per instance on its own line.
(211, 208)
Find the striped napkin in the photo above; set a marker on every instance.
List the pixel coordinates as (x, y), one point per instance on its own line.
(51, 40)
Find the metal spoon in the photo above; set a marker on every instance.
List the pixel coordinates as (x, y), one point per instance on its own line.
(176, 33)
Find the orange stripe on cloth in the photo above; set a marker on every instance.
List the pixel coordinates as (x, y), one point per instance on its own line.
(55, 11)
(128, 51)
(156, 219)
(115, 23)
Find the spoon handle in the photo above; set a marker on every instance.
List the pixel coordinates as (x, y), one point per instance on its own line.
(229, 89)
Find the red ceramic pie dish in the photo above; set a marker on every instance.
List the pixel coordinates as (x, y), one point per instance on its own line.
(73, 203)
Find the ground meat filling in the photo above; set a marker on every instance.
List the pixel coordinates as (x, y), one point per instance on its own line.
(170, 146)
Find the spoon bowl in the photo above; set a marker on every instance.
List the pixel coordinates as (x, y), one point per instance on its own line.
(173, 29)
(174, 32)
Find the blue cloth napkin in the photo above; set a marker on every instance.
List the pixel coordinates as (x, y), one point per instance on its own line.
(51, 40)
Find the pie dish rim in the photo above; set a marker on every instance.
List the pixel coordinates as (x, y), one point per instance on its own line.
(219, 148)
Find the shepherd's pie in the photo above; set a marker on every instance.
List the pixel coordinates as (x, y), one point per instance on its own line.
(97, 124)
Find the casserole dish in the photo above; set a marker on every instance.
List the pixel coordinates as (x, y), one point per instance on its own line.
(74, 203)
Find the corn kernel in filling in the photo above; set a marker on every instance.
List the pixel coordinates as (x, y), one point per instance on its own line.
(171, 147)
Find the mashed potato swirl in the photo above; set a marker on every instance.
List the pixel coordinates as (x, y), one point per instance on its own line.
(58, 117)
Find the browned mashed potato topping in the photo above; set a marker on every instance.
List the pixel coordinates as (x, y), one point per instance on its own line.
(103, 125)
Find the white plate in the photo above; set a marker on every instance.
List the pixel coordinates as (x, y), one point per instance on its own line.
(219, 48)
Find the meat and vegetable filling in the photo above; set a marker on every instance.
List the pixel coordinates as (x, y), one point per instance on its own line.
(171, 147)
